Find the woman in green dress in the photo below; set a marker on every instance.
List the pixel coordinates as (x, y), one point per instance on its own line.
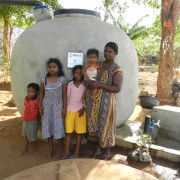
(101, 111)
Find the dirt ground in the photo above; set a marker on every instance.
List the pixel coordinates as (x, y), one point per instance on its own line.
(11, 141)
(148, 82)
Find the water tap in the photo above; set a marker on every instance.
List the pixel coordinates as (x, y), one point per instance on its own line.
(157, 124)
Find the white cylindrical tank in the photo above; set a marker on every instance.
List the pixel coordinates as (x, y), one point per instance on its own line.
(72, 31)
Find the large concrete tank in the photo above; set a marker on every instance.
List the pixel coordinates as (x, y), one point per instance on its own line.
(72, 31)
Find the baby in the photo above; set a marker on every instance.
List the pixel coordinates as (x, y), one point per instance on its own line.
(90, 69)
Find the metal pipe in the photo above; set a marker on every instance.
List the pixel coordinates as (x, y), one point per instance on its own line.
(147, 124)
(22, 3)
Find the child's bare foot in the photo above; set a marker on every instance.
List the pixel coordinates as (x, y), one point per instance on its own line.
(24, 152)
(75, 156)
(65, 157)
(25, 149)
(59, 156)
(36, 152)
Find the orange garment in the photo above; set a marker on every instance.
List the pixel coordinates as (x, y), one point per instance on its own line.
(91, 71)
(31, 109)
(93, 67)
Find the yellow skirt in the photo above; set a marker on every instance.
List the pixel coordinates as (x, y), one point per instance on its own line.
(75, 123)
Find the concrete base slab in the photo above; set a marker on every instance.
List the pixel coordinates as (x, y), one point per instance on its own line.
(169, 117)
(125, 138)
(84, 169)
(166, 141)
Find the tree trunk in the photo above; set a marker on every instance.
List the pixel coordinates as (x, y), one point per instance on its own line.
(6, 38)
(169, 16)
(106, 16)
(10, 38)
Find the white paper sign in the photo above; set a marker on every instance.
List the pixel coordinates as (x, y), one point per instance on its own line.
(74, 59)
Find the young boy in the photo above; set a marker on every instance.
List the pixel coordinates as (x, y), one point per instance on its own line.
(90, 69)
(30, 117)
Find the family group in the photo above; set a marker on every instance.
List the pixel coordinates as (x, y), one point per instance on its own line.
(84, 105)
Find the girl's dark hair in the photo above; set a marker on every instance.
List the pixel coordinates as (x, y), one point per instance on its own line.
(93, 51)
(59, 65)
(113, 46)
(34, 86)
(74, 69)
(77, 67)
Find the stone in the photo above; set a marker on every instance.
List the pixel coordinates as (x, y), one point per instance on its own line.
(146, 69)
(143, 92)
(120, 158)
(68, 170)
(82, 169)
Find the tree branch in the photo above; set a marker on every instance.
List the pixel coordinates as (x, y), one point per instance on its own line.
(166, 8)
(175, 13)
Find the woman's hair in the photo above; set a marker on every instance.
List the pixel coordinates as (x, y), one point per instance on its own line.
(34, 86)
(113, 46)
(74, 69)
(59, 65)
(93, 51)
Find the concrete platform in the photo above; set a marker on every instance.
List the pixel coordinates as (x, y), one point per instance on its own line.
(170, 120)
(82, 169)
(126, 136)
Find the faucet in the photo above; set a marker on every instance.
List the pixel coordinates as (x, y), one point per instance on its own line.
(157, 124)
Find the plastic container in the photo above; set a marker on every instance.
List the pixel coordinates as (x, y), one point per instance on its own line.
(41, 13)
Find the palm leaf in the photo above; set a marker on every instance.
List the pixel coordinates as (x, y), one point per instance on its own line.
(140, 20)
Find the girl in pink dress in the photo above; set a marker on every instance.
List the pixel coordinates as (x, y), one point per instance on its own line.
(75, 117)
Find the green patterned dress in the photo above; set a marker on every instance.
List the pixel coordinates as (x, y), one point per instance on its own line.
(101, 112)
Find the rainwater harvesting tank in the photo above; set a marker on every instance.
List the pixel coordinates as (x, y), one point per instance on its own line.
(72, 30)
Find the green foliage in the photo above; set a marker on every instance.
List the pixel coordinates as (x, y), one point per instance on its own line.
(5, 71)
(111, 7)
(20, 15)
(155, 4)
(53, 4)
(134, 32)
(177, 36)
(1, 22)
(137, 31)
(146, 40)
(148, 45)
